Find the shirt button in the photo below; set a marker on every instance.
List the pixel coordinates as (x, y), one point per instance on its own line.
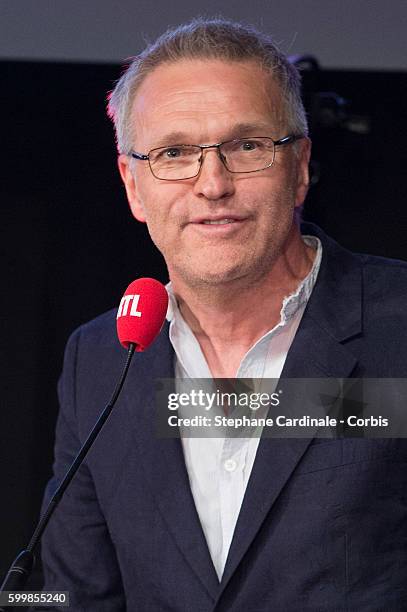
(230, 465)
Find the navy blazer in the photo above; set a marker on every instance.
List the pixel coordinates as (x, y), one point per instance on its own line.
(323, 524)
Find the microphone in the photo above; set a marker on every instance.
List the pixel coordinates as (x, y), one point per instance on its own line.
(141, 313)
(140, 317)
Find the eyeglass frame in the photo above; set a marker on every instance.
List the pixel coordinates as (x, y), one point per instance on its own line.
(276, 143)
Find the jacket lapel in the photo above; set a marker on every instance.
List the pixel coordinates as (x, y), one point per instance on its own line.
(333, 314)
(163, 461)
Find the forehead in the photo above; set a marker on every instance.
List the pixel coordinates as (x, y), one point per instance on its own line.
(205, 99)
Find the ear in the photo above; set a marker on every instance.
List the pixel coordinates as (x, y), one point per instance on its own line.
(137, 209)
(303, 155)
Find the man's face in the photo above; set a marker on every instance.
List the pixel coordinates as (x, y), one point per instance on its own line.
(206, 102)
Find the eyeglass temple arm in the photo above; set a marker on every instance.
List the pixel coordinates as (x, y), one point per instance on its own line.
(138, 155)
(287, 140)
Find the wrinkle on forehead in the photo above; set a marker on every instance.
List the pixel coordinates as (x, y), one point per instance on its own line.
(202, 98)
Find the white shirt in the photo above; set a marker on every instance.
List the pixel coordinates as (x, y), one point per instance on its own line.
(219, 468)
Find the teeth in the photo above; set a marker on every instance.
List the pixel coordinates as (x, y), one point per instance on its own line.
(220, 222)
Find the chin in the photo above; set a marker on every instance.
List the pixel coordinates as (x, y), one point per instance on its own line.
(212, 277)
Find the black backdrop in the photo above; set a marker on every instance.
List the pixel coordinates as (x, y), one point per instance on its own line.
(70, 246)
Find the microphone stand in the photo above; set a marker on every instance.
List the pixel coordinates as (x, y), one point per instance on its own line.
(23, 564)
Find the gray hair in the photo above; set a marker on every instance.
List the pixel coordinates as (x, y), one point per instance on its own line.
(207, 39)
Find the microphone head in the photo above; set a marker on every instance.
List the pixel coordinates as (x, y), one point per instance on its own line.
(141, 313)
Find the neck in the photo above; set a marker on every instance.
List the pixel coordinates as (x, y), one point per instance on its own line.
(221, 316)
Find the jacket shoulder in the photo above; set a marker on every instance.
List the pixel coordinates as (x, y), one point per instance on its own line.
(385, 278)
(98, 331)
(386, 264)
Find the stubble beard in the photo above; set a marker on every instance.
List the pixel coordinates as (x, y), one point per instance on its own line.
(245, 274)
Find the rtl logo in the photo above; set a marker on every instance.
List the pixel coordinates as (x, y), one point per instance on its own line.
(124, 306)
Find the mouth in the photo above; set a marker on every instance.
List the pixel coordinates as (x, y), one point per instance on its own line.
(218, 222)
(217, 219)
(221, 226)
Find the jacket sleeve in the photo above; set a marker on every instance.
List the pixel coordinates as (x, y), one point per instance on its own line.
(77, 552)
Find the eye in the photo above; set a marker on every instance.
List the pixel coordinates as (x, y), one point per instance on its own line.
(245, 145)
(249, 145)
(172, 152)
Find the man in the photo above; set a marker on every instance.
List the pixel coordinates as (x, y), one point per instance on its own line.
(213, 153)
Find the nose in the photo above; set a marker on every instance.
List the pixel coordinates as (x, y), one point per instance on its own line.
(214, 181)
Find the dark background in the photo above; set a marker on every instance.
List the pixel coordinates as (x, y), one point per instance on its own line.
(366, 34)
(70, 246)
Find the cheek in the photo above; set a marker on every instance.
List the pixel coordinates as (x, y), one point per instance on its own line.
(165, 204)
(156, 224)
(162, 220)
(277, 200)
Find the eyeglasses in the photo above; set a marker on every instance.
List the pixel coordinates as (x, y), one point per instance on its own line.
(180, 161)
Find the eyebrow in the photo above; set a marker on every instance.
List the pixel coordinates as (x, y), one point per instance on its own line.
(237, 131)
